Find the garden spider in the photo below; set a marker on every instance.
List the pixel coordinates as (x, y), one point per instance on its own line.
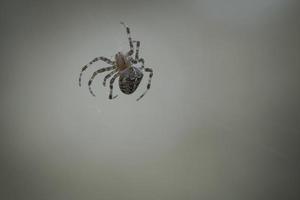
(123, 67)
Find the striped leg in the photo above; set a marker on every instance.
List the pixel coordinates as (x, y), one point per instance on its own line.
(129, 38)
(141, 60)
(112, 80)
(149, 82)
(137, 49)
(132, 60)
(108, 61)
(108, 76)
(95, 74)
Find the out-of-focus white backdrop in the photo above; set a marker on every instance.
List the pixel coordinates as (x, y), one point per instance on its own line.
(221, 120)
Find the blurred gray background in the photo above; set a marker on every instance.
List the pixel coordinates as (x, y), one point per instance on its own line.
(221, 120)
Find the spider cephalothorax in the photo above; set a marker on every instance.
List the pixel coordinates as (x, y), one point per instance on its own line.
(123, 67)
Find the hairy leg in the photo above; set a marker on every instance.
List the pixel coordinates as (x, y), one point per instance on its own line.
(108, 61)
(129, 39)
(95, 74)
(149, 82)
(108, 76)
(112, 80)
(137, 49)
(141, 60)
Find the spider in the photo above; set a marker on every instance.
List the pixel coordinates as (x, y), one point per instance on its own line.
(123, 67)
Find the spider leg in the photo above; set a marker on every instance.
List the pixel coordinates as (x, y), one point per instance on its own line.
(112, 80)
(108, 61)
(141, 60)
(95, 74)
(149, 82)
(108, 76)
(132, 60)
(129, 39)
(137, 49)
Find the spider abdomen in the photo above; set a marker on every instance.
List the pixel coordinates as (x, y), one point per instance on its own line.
(130, 79)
